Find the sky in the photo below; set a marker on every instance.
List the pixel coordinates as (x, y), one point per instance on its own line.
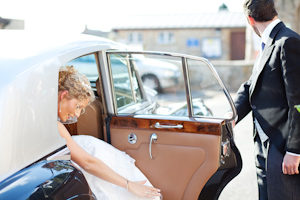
(74, 15)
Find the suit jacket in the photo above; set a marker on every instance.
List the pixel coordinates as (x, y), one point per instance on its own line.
(273, 90)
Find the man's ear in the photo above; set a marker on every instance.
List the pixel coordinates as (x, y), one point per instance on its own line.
(251, 20)
(64, 94)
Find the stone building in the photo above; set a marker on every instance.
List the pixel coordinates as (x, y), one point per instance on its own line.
(216, 36)
(289, 13)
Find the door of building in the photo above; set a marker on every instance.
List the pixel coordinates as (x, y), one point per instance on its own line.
(238, 41)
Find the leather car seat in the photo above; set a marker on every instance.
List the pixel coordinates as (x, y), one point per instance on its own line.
(90, 123)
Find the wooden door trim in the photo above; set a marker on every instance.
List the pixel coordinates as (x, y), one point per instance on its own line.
(195, 125)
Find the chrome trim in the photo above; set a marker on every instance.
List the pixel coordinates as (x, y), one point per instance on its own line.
(153, 138)
(193, 58)
(158, 125)
(225, 148)
(187, 87)
(130, 77)
(132, 138)
(107, 79)
(99, 64)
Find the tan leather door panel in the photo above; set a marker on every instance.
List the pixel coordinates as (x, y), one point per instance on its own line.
(183, 161)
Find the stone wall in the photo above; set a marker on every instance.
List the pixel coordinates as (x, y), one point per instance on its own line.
(289, 13)
(233, 73)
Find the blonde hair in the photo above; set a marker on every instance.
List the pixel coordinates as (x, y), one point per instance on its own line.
(75, 83)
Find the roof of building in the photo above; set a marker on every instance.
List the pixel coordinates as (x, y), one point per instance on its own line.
(98, 33)
(4, 21)
(221, 19)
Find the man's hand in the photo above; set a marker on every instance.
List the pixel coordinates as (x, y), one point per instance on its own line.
(290, 164)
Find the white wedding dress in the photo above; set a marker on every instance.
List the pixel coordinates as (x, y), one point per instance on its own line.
(118, 161)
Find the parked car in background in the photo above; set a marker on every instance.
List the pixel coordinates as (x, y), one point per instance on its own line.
(180, 140)
(155, 74)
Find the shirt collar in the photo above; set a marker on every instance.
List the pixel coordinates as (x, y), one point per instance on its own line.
(265, 35)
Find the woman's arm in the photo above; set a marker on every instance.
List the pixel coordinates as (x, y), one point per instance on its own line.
(98, 168)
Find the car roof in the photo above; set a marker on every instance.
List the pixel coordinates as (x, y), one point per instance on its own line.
(24, 50)
(29, 65)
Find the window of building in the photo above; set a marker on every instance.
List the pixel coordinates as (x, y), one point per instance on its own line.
(165, 37)
(135, 37)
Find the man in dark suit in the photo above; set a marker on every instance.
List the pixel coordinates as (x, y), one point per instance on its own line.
(271, 93)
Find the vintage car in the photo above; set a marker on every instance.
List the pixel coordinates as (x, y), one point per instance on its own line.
(180, 139)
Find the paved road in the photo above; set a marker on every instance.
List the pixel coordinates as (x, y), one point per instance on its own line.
(243, 187)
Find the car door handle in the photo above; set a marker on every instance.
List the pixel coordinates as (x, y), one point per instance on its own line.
(158, 125)
(153, 138)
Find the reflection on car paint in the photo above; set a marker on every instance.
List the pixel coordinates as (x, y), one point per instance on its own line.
(46, 180)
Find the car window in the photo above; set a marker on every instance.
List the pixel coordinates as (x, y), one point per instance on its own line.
(127, 91)
(164, 75)
(163, 86)
(208, 97)
(86, 65)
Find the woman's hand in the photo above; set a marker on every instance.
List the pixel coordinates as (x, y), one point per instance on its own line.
(138, 188)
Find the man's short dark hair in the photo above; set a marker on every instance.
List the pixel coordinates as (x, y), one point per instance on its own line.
(260, 10)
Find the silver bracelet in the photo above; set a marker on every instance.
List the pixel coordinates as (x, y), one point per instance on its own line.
(127, 184)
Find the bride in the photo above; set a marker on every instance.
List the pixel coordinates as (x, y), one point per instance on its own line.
(110, 173)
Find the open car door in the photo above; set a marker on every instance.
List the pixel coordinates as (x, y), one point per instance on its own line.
(167, 112)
